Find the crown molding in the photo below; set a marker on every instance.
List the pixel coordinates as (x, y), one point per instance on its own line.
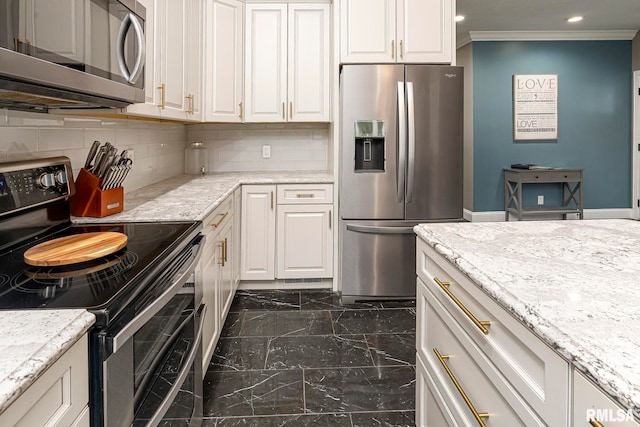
(550, 35)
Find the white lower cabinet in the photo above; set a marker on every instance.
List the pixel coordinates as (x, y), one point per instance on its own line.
(504, 369)
(217, 274)
(591, 407)
(59, 397)
(299, 244)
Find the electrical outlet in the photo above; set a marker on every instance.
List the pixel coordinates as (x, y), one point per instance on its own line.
(266, 151)
(540, 199)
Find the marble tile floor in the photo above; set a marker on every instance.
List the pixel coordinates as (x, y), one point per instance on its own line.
(301, 358)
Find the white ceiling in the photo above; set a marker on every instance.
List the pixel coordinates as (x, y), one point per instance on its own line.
(546, 15)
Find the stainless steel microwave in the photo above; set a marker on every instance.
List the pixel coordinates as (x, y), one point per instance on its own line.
(71, 53)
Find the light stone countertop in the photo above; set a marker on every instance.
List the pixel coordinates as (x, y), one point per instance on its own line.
(193, 197)
(31, 341)
(576, 284)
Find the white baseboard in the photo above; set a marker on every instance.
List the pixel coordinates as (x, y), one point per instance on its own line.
(289, 284)
(498, 216)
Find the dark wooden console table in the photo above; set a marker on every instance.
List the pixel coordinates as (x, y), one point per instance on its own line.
(570, 179)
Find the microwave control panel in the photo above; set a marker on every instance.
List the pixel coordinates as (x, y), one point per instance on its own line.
(25, 186)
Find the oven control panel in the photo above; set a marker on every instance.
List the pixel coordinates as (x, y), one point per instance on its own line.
(34, 182)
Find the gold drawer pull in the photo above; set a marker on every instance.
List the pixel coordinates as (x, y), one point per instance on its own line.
(224, 251)
(478, 415)
(305, 195)
(220, 244)
(224, 215)
(595, 423)
(481, 325)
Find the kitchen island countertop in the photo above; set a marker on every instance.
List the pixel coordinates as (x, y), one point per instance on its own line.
(31, 341)
(193, 197)
(575, 284)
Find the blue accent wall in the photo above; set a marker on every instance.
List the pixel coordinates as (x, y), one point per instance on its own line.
(594, 119)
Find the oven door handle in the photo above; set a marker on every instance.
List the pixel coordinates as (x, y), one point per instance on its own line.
(141, 319)
(175, 388)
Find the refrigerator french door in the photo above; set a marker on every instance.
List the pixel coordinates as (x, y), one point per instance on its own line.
(401, 165)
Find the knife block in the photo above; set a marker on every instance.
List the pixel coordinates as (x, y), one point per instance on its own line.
(90, 200)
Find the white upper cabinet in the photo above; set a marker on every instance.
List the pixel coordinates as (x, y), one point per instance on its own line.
(308, 71)
(174, 60)
(266, 62)
(404, 31)
(224, 61)
(287, 62)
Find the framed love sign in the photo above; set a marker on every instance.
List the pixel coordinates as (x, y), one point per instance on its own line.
(535, 106)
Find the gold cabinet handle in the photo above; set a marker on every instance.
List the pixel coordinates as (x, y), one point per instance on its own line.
(393, 49)
(217, 224)
(224, 251)
(305, 195)
(189, 99)
(272, 200)
(220, 244)
(291, 109)
(283, 110)
(329, 219)
(481, 325)
(477, 415)
(240, 109)
(161, 88)
(595, 423)
(191, 104)
(401, 52)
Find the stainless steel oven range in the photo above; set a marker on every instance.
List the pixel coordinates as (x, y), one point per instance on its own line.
(145, 348)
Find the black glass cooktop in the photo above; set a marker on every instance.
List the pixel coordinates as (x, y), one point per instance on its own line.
(97, 285)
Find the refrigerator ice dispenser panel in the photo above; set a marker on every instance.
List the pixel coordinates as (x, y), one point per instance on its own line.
(369, 146)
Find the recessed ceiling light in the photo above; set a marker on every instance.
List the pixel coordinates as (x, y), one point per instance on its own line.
(574, 19)
(459, 18)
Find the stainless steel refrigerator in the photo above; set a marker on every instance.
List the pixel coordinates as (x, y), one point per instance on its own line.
(401, 165)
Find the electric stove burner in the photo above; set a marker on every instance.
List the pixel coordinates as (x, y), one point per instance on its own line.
(100, 275)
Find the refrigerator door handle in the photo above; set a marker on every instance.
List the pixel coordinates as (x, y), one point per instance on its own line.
(402, 143)
(411, 128)
(369, 229)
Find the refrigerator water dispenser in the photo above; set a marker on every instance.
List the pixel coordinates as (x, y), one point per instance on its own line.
(369, 146)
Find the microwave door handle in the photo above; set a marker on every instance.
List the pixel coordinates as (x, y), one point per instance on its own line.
(127, 22)
(401, 143)
(143, 317)
(175, 388)
(411, 128)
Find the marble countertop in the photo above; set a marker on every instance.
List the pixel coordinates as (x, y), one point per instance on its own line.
(576, 284)
(31, 341)
(193, 197)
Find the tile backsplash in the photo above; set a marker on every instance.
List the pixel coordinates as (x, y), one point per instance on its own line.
(238, 147)
(158, 148)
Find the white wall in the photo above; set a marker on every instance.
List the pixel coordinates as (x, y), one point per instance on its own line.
(158, 147)
(238, 147)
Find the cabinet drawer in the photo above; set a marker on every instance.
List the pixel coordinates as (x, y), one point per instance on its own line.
(452, 359)
(431, 409)
(589, 402)
(305, 194)
(219, 217)
(58, 397)
(545, 176)
(536, 372)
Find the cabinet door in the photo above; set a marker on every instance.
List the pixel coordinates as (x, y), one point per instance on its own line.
(367, 31)
(235, 250)
(211, 259)
(224, 59)
(195, 52)
(266, 62)
(308, 70)
(424, 29)
(173, 46)
(152, 79)
(590, 403)
(225, 286)
(305, 241)
(258, 232)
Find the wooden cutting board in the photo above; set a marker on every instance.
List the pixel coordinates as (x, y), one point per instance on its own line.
(76, 248)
